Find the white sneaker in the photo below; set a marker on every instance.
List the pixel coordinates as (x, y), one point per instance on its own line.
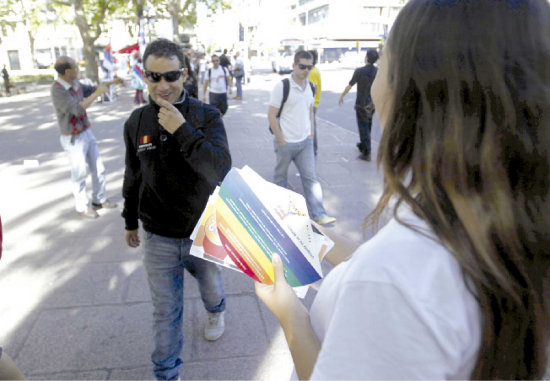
(214, 326)
(324, 220)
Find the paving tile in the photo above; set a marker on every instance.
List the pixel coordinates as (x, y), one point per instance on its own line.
(93, 375)
(88, 338)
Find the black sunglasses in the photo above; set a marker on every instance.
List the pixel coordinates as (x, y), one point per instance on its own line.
(304, 67)
(169, 76)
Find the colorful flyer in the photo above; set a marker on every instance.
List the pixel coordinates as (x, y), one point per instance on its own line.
(248, 219)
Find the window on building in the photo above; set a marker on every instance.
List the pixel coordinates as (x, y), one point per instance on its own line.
(317, 14)
(302, 18)
(371, 12)
(302, 2)
(13, 56)
(372, 28)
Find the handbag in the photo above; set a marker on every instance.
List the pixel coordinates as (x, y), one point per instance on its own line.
(238, 72)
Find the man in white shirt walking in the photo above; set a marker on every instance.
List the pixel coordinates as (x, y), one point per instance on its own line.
(217, 81)
(293, 132)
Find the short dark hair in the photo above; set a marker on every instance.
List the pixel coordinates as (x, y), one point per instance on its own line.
(372, 55)
(62, 64)
(314, 55)
(163, 48)
(300, 55)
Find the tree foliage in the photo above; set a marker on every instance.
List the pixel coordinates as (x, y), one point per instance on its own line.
(184, 12)
(29, 13)
(90, 17)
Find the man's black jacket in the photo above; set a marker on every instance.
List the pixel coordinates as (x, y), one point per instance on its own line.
(168, 178)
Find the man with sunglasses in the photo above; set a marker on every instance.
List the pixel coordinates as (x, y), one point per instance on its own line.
(71, 99)
(176, 154)
(291, 122)
(217, 81)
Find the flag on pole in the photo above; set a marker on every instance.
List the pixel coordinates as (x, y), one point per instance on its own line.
(141, 38)
(108, 59)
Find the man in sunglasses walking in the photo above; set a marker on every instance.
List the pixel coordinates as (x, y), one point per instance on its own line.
(176, 154)
(290, 116)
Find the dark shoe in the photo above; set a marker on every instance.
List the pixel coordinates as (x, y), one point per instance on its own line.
(89, 213)
(108, 204)
(365, 156)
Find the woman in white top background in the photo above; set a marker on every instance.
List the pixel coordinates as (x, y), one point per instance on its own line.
(455, 286)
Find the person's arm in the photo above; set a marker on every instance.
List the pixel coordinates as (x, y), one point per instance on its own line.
(229, 79)
(131, 184)
(274, 124)
(132, 238)
(312, 121)
(204, 146)
(99, 91)
(294, 319)
(346, 90)
(63, 101)
(116, 81)
(341, 250)
(205, 88)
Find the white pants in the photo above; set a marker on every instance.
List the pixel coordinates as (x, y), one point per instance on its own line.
(82, 153)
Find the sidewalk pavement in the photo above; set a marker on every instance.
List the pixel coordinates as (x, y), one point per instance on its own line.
(75, 300)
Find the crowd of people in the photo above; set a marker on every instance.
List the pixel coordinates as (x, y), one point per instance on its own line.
(454, 286)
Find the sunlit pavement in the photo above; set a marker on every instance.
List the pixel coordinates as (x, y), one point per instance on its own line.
(74, 298)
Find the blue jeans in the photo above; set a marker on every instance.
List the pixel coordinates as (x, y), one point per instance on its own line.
(239, 83)
(82, 152)
(164, 260)
(364, 122)
(301, 153)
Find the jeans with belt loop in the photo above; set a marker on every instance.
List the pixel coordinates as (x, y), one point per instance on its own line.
(164, 260)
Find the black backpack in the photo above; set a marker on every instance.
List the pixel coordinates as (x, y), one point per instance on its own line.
(286, 91)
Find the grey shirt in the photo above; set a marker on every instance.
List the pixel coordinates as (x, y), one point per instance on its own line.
(66, 97)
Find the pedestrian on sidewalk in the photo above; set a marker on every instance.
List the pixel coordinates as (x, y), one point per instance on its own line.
(455, 286)
(6, 77)
(70, 100)
(217, 82)
(202, 67)
(315, 78)
(293, 133)
(176, 154)
(238, 73)
(364, 107)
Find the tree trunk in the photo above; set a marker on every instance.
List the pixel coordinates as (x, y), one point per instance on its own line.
(33, 54)
(90, 59)
(174, 9)
(88, 40)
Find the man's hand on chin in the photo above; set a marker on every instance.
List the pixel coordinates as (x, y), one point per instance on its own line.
(169, 116)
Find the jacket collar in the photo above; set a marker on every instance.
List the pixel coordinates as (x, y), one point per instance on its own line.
(182, 103)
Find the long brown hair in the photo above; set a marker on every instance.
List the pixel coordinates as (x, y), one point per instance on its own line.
(467, 146)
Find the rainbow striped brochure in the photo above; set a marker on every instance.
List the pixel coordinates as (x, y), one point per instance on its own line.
(247, 219)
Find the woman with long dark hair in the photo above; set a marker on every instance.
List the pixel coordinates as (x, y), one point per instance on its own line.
(456, 284)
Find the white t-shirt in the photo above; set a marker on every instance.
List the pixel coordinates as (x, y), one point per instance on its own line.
(295, 120)
(399, 308)
(217, 80)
